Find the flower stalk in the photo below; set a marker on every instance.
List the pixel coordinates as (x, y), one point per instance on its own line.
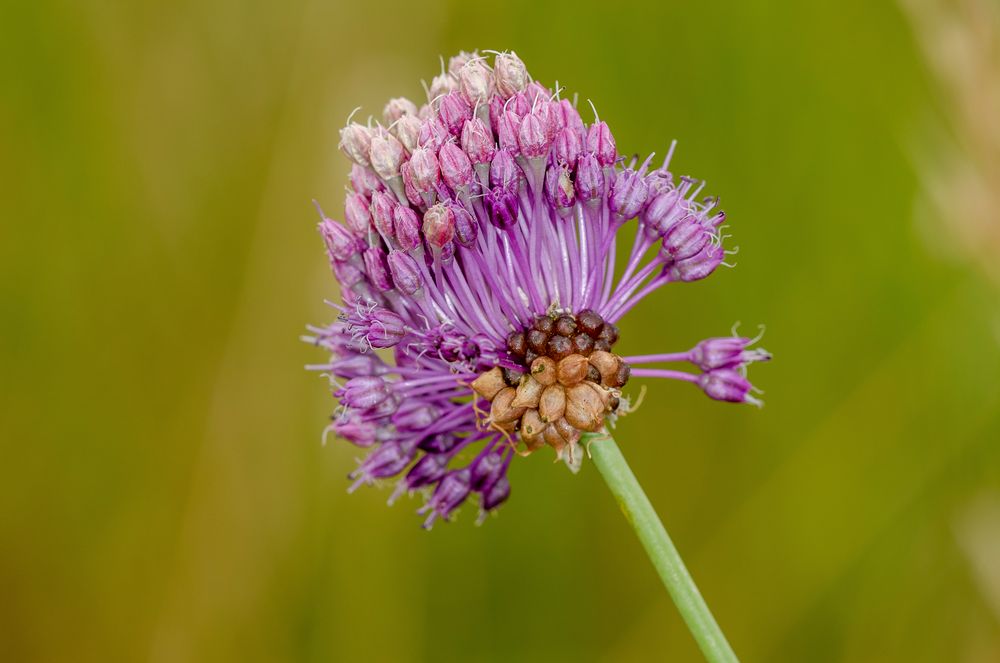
(642, 517)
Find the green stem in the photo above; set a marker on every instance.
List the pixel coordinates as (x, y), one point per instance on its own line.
(640, 514)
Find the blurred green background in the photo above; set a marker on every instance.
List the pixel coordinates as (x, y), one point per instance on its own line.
(164, 495)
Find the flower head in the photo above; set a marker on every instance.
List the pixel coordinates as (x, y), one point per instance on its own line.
(478, 253)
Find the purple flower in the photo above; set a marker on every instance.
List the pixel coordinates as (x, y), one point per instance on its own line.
(478, 254)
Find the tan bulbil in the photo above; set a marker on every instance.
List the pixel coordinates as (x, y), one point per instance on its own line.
(606, 363)
(528, 393)
(489, 384)
(502, 410)
(585, 408)
(572, 370)
(552, 404)
(532, 429)
(543, 369)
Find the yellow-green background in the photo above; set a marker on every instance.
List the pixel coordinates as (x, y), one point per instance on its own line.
(163, 492)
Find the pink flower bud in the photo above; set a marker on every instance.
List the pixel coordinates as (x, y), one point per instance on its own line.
(559, 188)
(357, 214)
(348, 273)
(466, 228)
(698, 266)
(531, 137)
(661, 212)
(504, 172)
(475, 81)
(684, 239)
(454, 111)
(456, 62)
(412, 195)
(456, 169)
(537, 93)
(589, 179)
(628, 194)
(407, 130)
(407, 227)
(375, 268)
(364, 181)
(386, 154)
(440, 85)
(340, 243)
(519, 104)
(355, 142)
(397, 108)
(405, 273)
(570, 118)
(382, 207)
(507, 129)
(496, 105)
(511, 74)
(566, 147)
(477, 141)
(424, 173)
(433, 134)
(726, 384)
(439, 225)
(726, 352)
(602, 143)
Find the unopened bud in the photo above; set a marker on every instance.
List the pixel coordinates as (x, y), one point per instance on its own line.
(456, 169)
(382, 207)
(466, 227)
(726, 352)
(589, 179)
(684, 239)
(477, 141)
(628, 194)
(454, 111)
(532, 138)
(507, 127)
(405, 273)
(407, 130)
(726, 384)
(439, 225)
(475, 81)
(397, 108)
(340, 243)
(433, 134)
(364, 181)
(355, 142)
(363, 392)
(566, 147)
(386, 154)
(356, 214)
(407, 226)
(559, 188)
(424, 172)
(376, 269)
(698, 266)
(602, 144)
(511, 74)
(661, 212)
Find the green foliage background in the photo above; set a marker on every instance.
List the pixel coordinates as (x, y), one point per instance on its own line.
(163, 492)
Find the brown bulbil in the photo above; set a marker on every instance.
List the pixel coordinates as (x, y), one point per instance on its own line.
(571, 370)
(532, 428)
(609, 333)
(537, 340)
(565, 325)
(544, 370)
(602, 345)
(530, 356)
(528, 393)
(559, 347)
(517, 344)
(511, 377)
(584, 407)
(544, 323)
(552, 403)
(502, 410)
(489, 384)
(621, 375)
(582, 344)
(605, 362)
(593, 374)
(554, 439)
(567, 431)
(590, 322)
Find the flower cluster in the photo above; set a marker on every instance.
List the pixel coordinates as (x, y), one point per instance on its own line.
(481, 285)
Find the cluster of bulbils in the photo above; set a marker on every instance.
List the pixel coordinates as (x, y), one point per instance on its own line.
(481, 285)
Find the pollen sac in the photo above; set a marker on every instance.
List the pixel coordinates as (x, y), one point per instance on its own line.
(570, 384)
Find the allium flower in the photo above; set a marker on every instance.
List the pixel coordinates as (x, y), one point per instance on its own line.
(478, 254)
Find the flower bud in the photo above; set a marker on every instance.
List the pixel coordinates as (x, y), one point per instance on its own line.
(405, 273)
(536, 93)
(456, 169)
(427, 470)
(386, 154)
(383, 328)
(406, 225)
(356, 430)
(356, 365)
(485, 470)
(347, 273)
(439, 225)
(388, 460)
(412, 195)
(424, 173)
(454, 111)
(532, 138)
(511, 74)
(559, 189)
(684, 239)
(570, 119)
(496, 494)
(466, 227)
(375, 268)
(397, 108)
(382, 207)
(698, 266)
(726, 352)
(501, 203)
(364, 181)
(356, 214)
(519, 104)
(355, 142)
(440, 85)
(340, 243)
(628, 194)
(508, 126)
(566, 147)
(475, 81)
(589, 179)
(414, 417)
(726, 384)
(407, 130)
(504, 171)
(451, 491)
(363, 392)
(661, 212)
(602, 144)
(433, 134)
(477, 141)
